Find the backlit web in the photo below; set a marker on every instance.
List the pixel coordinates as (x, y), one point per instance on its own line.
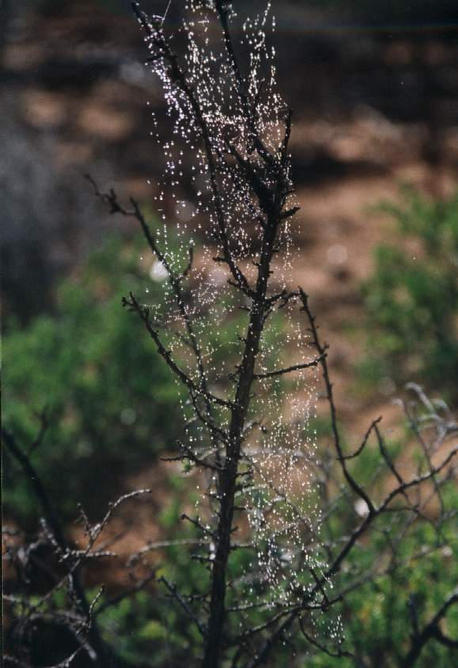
(206, 206)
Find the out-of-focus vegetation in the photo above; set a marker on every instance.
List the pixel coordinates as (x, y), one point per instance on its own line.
(377, 617)
(107, 396)
(111, 405)
(378, 613)
(148, 631)
(412, 296)
(93, 374)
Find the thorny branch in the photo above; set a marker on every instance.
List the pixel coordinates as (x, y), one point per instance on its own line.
(80, 619)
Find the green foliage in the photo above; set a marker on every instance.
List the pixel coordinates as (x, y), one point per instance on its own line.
(412, 296)
(376, 616)
(150, 629)
(143, 633)
(425, 577)
(110, 400)
(111, 404)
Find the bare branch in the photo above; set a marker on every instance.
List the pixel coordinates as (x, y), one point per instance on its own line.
(173, 591)
(295, 367)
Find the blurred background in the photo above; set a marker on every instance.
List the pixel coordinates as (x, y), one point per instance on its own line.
(374, 88)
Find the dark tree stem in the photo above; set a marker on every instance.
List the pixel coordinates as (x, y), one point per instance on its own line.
(228, 476)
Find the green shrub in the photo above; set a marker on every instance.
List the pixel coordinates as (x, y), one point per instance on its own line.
(376, 616)
(110, 401)
(412, 296)
(151, 629)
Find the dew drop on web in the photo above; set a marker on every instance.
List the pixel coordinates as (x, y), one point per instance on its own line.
(281, 516)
